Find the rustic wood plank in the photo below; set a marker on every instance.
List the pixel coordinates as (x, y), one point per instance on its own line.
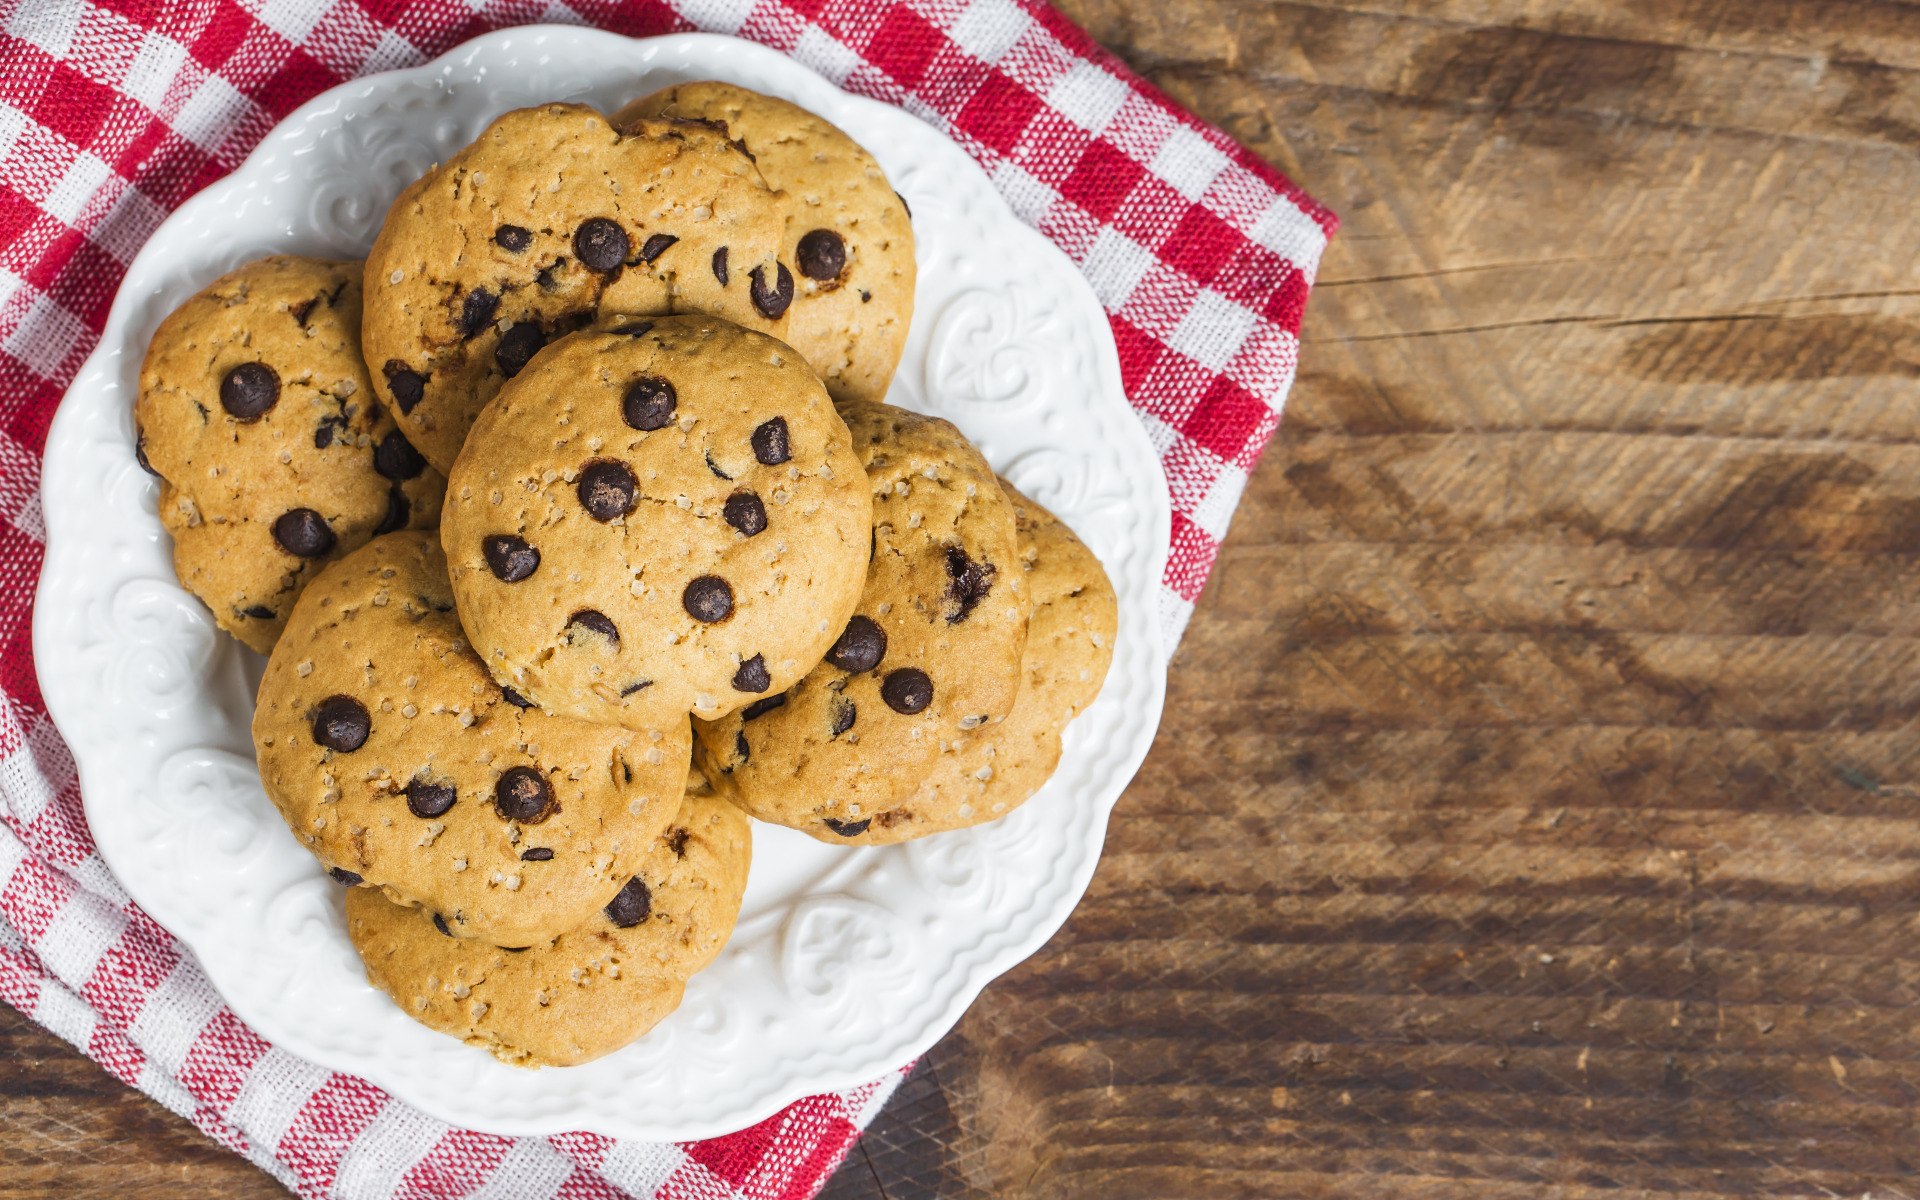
(69, 1129)
(1536, 810)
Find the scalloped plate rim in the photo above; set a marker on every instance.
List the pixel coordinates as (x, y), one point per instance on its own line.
(63, 705)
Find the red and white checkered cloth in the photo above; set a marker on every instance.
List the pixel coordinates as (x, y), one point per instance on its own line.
(112, 113)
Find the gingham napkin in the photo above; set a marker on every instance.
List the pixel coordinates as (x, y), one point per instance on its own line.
(113, 113)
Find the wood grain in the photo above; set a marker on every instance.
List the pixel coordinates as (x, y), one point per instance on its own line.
(69, 1129)
(1536, 811)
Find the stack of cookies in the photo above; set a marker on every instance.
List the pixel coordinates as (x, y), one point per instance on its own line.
(578, 532)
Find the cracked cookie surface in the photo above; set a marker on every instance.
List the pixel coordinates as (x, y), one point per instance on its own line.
(849, 236)
(657, 517)
(256, 413)
(549, 218)
(396, 760)
(985, 773)
(592, 989)
(933, 648)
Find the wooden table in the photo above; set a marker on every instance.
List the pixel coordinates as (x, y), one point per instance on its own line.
(1536, 810)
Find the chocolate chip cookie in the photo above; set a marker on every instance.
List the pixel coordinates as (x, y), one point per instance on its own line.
(549, 218)
(987, 772)
(932, 651)
(849, 236)
(590, 990)
(257, 415)
(657, 517)
(401, 764)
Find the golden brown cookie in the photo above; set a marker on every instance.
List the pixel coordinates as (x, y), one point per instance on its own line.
(985, 773)
(256, 412)
(549, 218)
(933, 649)
(590, 990)
(659, 517)
(849, 236)
(401, 764)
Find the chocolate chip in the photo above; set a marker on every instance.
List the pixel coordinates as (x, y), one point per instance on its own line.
(140, 453)
(631, 906)
(771, 299)
(258, 612)
(655, 246)
(677, 842)
(596, 621)
(515, 698)
(323, 433)
(741, 750)
(968, 583)
(537, 854)
(821, 254)
(512, 238)
(342, 875)
(341, 723)
(606, 489)
(866, 297)
(300, 312)
(752, 676)
(848, 828)
(844, 712)
(649, 403)
(720, 265)
(770, 444)
(303, 533)
(509, 557)
(631, 328)
(518, 346)
(548, 276)
(396, 459)
(426, 798)
(397, 511)
(601, 244)
(708, 599)
(719, 127)
(861, 646)
(407, 386)
(523, 795)
(476, 312)
(249, 390)
(631, 688)
(907, 691)
(760, 708)
(440, 923)
(744, 512)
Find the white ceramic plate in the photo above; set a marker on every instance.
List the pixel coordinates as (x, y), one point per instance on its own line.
(846, 962)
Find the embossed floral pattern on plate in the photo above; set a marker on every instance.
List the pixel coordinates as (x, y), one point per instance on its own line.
(846, 963)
